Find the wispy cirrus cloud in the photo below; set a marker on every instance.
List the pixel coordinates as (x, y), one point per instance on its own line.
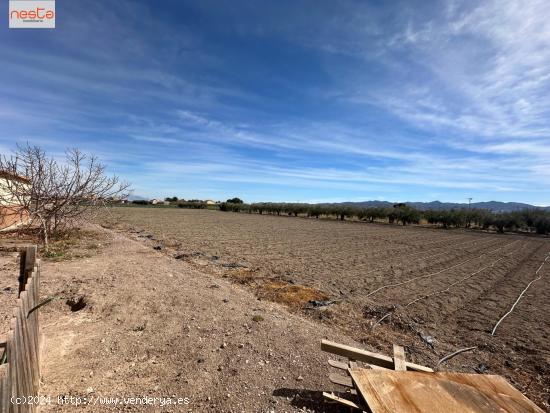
(298, 100)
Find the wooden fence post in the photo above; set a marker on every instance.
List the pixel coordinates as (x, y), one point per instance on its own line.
(20, 375)
(27, 262)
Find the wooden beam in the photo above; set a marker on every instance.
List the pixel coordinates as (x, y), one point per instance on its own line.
(375, 367)
(27, 261)
(340, 380)
(341, 400)
(366, 356)
(343, 366)
(338, 364)
(30, 258)
(399, 358)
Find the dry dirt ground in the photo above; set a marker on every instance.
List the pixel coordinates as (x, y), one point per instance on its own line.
(431, 290)
(131, 321)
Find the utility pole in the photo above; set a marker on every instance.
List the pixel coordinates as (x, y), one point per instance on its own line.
(469, 202)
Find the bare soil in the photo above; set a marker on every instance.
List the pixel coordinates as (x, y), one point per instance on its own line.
(130, 321)
(432, 290)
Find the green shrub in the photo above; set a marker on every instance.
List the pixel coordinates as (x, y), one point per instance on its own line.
(192, 205)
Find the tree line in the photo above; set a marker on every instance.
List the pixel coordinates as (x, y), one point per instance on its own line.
(529, 220)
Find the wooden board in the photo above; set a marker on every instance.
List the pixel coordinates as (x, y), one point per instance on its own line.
(341, 400)
(399, 358)
(366, 356)
(340, 380)
(417, 392)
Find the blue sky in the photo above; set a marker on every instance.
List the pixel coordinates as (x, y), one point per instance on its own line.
(308, 101)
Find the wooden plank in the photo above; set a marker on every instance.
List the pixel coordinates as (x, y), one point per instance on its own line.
(32, 322)
(338, 365)
(11, 389)
(12, 361)
(23, 365)
(341, 400)
(340, 380)
(22, 262)
(38, 333)
(343, 366)
(4, 406)
(29, 347)
(30, 258)
(399, 358)
(375, 367)
(406, 392)
(366, 356)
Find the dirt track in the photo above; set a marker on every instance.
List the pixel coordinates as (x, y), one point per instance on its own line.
(459, 282)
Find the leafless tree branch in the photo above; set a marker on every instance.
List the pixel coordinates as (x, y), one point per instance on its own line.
(56, 194)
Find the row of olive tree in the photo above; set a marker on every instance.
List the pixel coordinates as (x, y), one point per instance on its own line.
(528, 220)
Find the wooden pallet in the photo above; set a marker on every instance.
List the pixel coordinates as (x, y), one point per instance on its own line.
(377, 383)
(361, 359)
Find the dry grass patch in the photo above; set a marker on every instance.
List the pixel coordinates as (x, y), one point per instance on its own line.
(279, 291)
(242, 276)
(291, 295)
(76, 243)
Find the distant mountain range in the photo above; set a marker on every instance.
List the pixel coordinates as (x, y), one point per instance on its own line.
(494, 206)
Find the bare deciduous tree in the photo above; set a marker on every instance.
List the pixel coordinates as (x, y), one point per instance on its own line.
(56, 193)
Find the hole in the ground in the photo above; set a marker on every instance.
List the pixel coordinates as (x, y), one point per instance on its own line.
(76, 304)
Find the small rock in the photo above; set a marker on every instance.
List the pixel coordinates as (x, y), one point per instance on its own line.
(429, 340)
(299, 378)
(224, 345)
(481, 368)
(90, 390)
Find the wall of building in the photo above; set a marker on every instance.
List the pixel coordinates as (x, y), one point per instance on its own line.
(11, 214)
(11, 217)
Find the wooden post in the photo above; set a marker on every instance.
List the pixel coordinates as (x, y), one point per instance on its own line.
(27, 262)
(3, 387)
(12, 362)
(28, 345)
(21, 279)
(20, 376)
(399, 361)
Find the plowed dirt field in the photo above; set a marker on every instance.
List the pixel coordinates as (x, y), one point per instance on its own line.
(432, 290)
